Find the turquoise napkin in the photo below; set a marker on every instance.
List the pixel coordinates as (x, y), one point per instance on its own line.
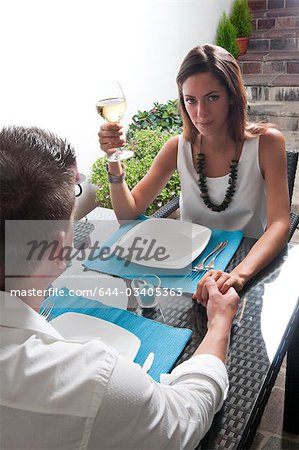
(165, 341)
(178, 279)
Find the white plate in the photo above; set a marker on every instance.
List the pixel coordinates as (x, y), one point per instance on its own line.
(183, 242)
(81, 327)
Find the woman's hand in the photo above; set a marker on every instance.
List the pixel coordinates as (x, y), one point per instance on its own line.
(220, 306)
(223, 280)
(111, 137)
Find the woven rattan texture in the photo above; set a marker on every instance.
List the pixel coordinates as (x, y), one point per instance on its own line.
(167, 209)
(248, 362)
(82, 230)
(292, 160)
(291, 419)
(294, 221)
(250, 372)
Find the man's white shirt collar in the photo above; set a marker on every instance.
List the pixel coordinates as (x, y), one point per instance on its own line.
(15, 313)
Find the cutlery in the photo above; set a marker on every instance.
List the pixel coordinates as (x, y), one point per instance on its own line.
(148, 362)
(47, 310)
(201, 265)
(211, 264)
(204, 267)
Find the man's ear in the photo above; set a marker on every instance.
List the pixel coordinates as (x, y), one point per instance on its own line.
(61, 251)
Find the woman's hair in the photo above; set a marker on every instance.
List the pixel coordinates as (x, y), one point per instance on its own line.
(221, 64)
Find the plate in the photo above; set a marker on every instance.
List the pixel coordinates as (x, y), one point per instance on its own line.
(81, 327)
(163, 243)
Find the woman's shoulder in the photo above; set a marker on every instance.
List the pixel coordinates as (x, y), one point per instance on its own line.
(272, 149)
(167, 156)
(268, 141)
(170, 146)
(272, 137)
(173, 142)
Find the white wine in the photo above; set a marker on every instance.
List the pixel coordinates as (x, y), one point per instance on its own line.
(111, 109)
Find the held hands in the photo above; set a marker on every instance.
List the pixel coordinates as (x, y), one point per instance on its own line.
(111, 137)
(220, 307)
(223, 280)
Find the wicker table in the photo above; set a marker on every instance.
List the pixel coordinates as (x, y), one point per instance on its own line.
(252, 373)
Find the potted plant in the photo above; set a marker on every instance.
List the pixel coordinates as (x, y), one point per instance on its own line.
(241, 19)
(226, 36)
(165, 116)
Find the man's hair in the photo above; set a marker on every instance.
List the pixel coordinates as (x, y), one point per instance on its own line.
(222, 65)
(36, 177)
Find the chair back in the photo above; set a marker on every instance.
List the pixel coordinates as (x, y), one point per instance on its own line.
(292, 160)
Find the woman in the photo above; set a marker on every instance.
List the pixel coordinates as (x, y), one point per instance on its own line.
(233, 173)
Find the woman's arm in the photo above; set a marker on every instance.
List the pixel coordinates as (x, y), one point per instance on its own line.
(272, 157)
(274, 170)
(128, 204)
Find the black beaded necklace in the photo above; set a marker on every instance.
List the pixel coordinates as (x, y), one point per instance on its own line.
(202, 183)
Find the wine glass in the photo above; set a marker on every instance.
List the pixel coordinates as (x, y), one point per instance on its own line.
(146, 289)
(111, 107)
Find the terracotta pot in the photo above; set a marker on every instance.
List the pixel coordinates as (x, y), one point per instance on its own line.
(243, 45)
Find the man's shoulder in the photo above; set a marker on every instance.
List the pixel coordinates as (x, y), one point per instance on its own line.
(53, 374)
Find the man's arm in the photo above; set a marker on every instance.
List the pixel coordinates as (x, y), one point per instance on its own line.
(221, 310)
(138, 413)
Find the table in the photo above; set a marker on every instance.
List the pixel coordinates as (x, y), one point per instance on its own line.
(256, 351)
(252, 373)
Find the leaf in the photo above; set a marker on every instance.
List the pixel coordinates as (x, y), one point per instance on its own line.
(145, 144)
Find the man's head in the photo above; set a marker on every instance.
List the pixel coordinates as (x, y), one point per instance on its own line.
(38, 175)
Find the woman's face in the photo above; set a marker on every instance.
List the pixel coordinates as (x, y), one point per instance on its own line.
(206, 102)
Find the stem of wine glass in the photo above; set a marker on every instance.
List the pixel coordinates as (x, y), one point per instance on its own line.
(115, 156)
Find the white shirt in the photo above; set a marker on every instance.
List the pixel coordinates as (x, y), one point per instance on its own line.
(246, 212)
(57, 394)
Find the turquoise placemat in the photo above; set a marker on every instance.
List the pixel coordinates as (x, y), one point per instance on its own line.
(165, 341)
(175, 279)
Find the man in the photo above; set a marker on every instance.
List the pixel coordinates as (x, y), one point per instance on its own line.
(56, 394)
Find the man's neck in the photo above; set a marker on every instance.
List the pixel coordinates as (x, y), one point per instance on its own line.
(31, 290)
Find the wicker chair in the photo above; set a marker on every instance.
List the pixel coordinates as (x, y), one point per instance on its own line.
(292, 160)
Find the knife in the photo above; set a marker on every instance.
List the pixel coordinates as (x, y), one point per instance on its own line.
(201, 264)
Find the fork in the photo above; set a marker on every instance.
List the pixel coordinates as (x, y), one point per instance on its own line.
(211, 264)
(202, 267)
(47, 310)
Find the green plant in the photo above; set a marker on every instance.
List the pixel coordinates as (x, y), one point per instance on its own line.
(226, 36)
(145, 144)
(240, 17)
(163, 116)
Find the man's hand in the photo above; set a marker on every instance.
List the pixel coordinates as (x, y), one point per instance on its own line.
(220, 306)
(223, 280)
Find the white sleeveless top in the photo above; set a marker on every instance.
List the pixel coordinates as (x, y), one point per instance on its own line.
(246, 212)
